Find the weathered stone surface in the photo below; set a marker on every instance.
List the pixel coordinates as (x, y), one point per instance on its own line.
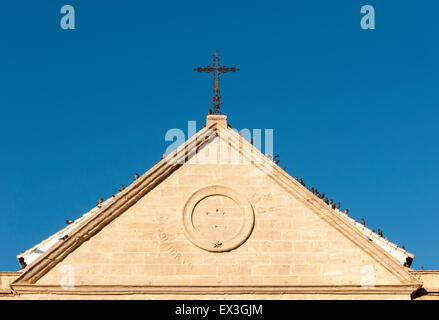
(147, 249)
(289, 243)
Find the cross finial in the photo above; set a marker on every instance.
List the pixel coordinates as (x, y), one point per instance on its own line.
(216, 69)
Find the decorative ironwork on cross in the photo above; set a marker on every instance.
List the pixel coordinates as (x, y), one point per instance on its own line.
(216, 69)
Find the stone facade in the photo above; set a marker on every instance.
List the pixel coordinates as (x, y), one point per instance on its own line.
(147, 244)
(229, 228)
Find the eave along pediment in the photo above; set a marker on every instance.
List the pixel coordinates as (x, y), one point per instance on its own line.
(91, 223)
(98, 218)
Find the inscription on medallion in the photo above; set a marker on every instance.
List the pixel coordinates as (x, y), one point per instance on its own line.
(217, 218)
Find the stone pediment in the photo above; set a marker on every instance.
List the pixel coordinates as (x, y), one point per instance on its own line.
(209, 221)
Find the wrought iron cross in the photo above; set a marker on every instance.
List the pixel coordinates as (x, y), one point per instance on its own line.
(216, 69)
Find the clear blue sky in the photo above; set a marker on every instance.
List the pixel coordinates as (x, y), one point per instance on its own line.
(354, 112)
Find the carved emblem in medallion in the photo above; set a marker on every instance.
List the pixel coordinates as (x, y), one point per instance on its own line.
(218, 218)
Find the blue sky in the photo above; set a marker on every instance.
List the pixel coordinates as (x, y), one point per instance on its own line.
(354, 111)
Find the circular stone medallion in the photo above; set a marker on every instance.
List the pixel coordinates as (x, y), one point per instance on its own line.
(218, 218)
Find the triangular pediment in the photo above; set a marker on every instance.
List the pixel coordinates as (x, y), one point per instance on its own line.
(218, 213)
